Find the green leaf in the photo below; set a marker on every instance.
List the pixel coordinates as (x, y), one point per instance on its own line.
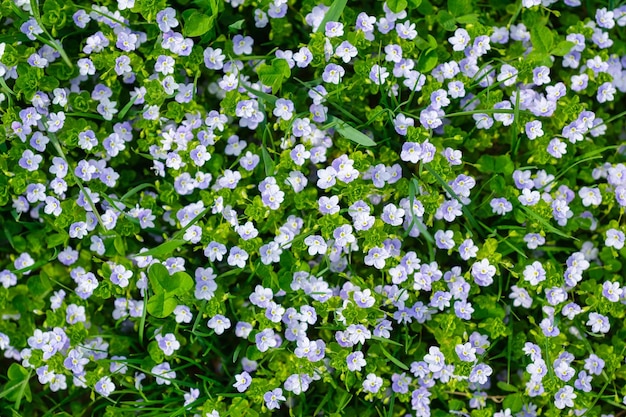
(385, 340)
(236, 27)
(421, 43)
(514, 402)
(268, 162)
(446, 20)
(460, 7)
(542, 39)
(529, 212)
(127, 107)
(432, 41)
(507, 387)
(287, 260)
(413, 188)
(197, 24)
(534, 18)
(333, 14)
(135, 190)
(495, 164)
(426, 8)
(467, 19)
(155, 352)
(120, 247)
(285, 279)
(397, 6)
(162, 282)
(179, 283)
(349, 132)
(39, 286)
(260, 94)
(427, 60)
(393, 359)
(17, 372)
(562, 48)
(414, 4)
(273, 75)
(157, 273)
(165, 249)
(56, 239)
(161, 305)
(48, 83)
(51, 6)
(17, 388)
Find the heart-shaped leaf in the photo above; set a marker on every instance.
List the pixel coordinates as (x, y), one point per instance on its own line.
(158, 273)
(161, 305)
(179, 283)
(498, 164)
(162, 282)
(397, 6)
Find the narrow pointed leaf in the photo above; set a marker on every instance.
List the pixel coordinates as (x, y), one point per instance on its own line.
(351, 133)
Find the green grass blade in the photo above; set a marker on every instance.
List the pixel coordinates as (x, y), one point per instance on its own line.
(413, 187)
(127, 106)
(514, 140)
(589, 156)
(393, 359)
(260, 94)
(545, 224)
(268, 162)
(384, 340)
(164, 249)
(350, 133)
(481, 111)
(333, 14)
(79, 182)
(135, 190)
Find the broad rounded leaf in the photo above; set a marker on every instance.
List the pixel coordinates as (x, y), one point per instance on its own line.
(397, 6)
(427, 60)
(158, 273)
(542, 39)
(501, 164)
(179, 283)
(161, 305)
(460, 7)
(197, 24)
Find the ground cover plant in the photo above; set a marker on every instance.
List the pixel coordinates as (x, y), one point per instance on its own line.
(306, 208)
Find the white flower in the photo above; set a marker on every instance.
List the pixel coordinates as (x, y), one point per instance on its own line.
(614, 239)
(316, 245)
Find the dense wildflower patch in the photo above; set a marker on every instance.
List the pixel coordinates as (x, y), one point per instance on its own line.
(400, 208)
